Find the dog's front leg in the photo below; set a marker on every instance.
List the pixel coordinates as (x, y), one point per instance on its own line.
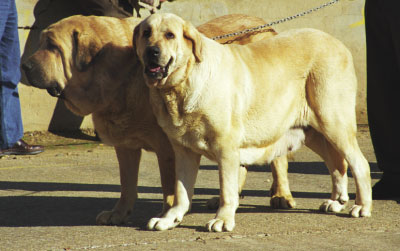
(213, 203)
(128, 161)
(186, 168)
(166, 163)
(228, 165)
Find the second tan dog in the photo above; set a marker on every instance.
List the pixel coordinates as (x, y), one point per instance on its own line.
(251, 104)
(89, 63)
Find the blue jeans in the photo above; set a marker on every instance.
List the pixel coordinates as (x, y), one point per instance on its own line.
(11, 129)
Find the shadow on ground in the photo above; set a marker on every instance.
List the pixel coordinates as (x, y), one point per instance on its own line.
(318, 168)
(34, 210)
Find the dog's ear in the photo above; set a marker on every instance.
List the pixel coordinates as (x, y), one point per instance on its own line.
(192, 34)
(85, 48)
(136, 35)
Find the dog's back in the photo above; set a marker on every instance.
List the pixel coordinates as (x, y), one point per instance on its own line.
(296, 73)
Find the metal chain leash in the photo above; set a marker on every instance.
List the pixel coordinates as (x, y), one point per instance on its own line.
(247, 30)
(26, 27)
(275, 22)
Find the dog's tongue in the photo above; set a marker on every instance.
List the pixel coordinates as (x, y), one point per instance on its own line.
(155, 69)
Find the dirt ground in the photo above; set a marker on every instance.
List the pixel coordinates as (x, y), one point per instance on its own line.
(50, 202)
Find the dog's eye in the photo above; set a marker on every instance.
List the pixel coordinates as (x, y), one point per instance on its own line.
(147, 33)
(170, 35)
(51, 46)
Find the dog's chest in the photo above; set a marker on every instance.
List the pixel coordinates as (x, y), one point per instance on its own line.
(192, 134)
(122, 130)
(187, 129)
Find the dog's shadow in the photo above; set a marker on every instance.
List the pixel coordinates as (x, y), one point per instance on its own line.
(318, 168)
(32, 209)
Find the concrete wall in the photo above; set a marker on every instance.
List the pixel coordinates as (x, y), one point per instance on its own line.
(343, 20)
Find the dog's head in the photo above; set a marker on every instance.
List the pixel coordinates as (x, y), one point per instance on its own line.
(166, 46)
(65, 50)
(67, 60)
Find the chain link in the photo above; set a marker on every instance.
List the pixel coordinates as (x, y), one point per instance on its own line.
(247, 30)
(275, 22)
(26, 27)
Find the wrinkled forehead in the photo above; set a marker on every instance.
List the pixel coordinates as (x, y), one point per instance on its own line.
(163, 22)
(58, 31)
(47, 35)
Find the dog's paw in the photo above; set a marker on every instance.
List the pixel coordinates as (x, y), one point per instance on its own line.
(282, 202)
(219, 225)
(213, 203)
(360, 211)
(111, 218)
(161, 224)
(332, 206)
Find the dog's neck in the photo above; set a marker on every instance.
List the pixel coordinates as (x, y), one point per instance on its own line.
(98, 94)
(128, 94)
(168, 103)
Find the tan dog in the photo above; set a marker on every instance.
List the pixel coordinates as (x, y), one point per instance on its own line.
(89, 63)
(251, 104)
(74, 64)
(228, 24)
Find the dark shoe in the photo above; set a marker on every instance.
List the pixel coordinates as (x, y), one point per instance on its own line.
(22, 148)
(386, 188)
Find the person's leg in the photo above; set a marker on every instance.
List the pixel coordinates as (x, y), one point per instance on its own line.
(382, 78)
(11, 129)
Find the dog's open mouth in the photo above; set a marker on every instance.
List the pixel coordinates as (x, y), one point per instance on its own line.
(156, 71)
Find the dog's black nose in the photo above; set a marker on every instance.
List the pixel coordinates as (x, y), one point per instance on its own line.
(153, 52)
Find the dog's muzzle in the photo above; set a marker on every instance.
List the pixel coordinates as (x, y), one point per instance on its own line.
(36, 79)
(55, 91)
(153, 69)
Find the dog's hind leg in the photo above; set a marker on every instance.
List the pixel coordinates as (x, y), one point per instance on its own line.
(128, 160)
(347, 145)
(331, 96)
(337, 167)
(281, 197)
(339, 128)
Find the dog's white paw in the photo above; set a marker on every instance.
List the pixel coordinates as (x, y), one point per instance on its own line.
(219, 225)
(161, 224)
(360, 211)
(111, 218)
(332, 206)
